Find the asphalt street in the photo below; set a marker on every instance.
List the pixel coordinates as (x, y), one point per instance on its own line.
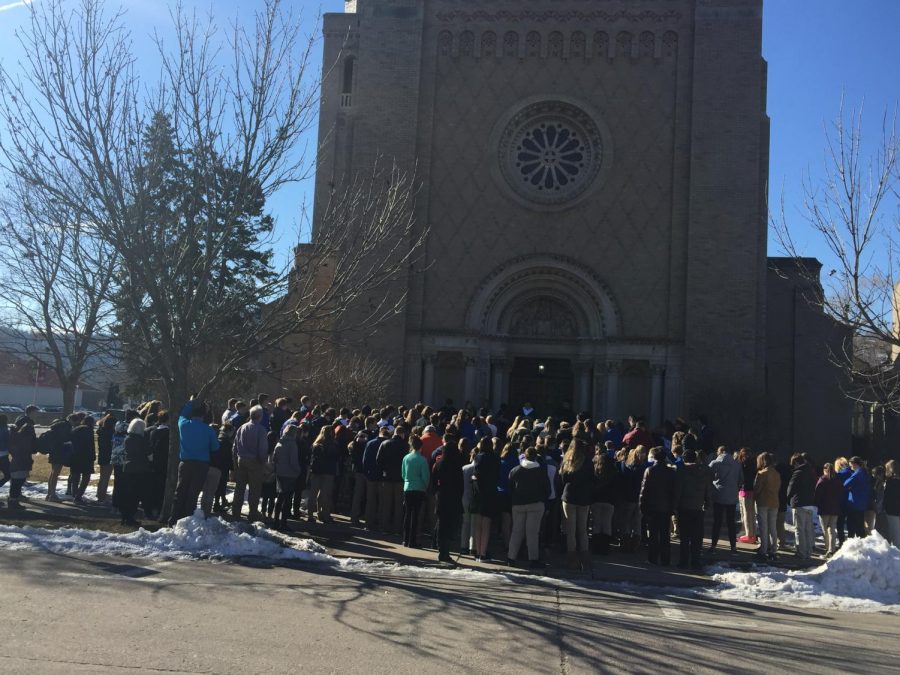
(65, 614)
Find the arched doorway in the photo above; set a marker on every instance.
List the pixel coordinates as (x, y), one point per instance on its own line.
(548, 385)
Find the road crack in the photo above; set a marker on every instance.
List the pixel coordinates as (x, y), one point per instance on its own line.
(563, 658)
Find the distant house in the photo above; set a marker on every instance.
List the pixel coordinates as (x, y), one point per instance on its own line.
(24, 381)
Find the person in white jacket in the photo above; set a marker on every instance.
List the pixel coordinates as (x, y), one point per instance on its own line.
(466, 544)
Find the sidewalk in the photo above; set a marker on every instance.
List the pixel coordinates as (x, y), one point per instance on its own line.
(347, 541)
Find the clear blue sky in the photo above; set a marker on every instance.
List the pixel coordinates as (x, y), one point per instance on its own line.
(816, 50)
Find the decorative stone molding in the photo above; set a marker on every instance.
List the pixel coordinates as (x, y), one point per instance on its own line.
(586, 298)
(644, 47)
(556, 15)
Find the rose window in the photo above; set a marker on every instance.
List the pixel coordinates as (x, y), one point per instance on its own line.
(550, 156)
(550, 152)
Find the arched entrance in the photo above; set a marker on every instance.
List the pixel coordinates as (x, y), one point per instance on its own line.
(547, 385)
(551, 311)
(543, 323)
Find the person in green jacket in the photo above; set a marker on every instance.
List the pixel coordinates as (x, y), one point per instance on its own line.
(416, 475)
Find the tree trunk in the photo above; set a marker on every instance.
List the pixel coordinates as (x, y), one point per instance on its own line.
(178, 396)
(68, 391)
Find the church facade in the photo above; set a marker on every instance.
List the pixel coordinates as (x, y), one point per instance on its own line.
(594, 178)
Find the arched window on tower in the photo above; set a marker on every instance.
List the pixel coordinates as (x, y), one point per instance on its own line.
(533, 44)
(511, 44)
(347, 86)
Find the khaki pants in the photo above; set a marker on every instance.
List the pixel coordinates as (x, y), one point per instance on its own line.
(465, 541)
(321, 494)
(806, 533)
(629, 517)
(373, 499)
(105, 472)
(576, 526)
(249, 472)
(829, 531)
(391, 517)
(602, 518)
(748, 516)
(526, 522)
(768, 534)
(894, 529)
(213, 474)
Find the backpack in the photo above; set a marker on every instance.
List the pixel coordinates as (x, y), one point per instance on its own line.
(117, 457)
(45, 442)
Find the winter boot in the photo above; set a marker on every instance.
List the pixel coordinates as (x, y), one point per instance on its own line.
(586, 561)
(603, 544)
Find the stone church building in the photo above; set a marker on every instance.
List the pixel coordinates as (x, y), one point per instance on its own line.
(594, 178)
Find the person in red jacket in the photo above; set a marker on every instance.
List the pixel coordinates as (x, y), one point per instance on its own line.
(639, 436)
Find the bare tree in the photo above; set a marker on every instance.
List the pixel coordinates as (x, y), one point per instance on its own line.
(54, 287)
(855, 212)
(352, 380)
(177, 183)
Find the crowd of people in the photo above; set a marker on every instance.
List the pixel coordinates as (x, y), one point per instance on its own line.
(496, 486)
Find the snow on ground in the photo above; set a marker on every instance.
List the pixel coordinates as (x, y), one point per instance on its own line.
(39, 490)
(864, 576)
(191, 538)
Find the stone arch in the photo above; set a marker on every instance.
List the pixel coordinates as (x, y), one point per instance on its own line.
(533, 44)
(445, 43)
(544, 278)
(511, 44)
(647, 44)
(624, 44)
(489, 44)
(577, 45)
(467, 43)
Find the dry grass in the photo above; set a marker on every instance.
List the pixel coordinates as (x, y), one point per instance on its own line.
(40, 472)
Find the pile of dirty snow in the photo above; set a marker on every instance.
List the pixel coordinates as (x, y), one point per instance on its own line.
(190, 538)
(864, 576)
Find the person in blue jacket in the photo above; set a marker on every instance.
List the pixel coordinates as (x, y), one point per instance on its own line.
(859, 494)
(197, 440)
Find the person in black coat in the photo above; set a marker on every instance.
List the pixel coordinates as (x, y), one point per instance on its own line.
(135, 472)
(22, 446)
(693, 488)
(447, 480)
(486, 497)
(83, 457)
(784, 471)
(577, 475)
(106, 427)
(529, 488)
(604, 492)
(801, 494)
(56, 444)
(390, 465)
(158, 440)
(657, 502)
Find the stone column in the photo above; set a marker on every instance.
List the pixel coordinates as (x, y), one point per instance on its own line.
(428, 379)
(471, 374)
(656, 395)
(583, 374)
(612, 389)
(498, 387)
(598, 390)
(673, 395)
